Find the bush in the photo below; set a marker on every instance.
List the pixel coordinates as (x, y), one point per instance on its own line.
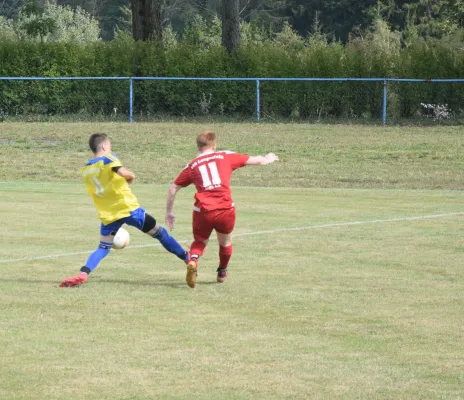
(377, 55)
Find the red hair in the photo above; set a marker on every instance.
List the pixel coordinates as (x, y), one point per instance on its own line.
(206, 139)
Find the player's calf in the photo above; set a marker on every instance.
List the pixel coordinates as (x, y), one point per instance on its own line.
(151, 227)
(92, 263)
(95, 258)
(225, 253)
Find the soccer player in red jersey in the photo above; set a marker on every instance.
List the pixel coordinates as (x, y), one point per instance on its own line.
(210, 172)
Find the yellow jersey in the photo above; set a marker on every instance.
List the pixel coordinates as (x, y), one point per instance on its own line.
(110, 192)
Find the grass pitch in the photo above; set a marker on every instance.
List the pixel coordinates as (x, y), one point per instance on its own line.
(316, 156)
(333, 293)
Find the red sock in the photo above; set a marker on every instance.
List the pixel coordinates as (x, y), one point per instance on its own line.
(197, 247)
(225, 252)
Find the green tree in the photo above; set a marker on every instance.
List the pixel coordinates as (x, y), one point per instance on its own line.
(7, 29)
(421, 18)
(202, 34)
(35, 21)
(336, 17)
(115, 16)
(49, 22)
(433, 18)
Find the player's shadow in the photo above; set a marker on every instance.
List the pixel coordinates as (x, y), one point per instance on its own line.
(160, 283)
(35, 281)
(154, 283)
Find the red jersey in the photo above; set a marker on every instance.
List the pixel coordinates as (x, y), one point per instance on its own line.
(211, 173)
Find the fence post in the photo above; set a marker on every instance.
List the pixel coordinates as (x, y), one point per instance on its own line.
(258, 111)
(384, 108)
(131, 100)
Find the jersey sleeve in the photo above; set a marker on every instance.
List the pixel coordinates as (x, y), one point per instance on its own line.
(237, 160)
(184, 179)
(112, 160)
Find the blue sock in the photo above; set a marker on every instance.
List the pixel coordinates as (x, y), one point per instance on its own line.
(170, 244)
(98, 255)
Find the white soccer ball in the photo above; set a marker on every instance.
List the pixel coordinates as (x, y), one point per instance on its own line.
(121, 239)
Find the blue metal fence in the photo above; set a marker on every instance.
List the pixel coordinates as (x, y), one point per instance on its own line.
(257, 80)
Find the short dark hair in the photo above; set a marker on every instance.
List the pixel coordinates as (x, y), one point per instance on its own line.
(95, 141)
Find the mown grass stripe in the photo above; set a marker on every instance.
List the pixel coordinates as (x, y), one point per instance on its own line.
(298, 228)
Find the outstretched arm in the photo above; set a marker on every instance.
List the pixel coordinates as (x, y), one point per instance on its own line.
(125, 173)
(170, 217)
(262, 160)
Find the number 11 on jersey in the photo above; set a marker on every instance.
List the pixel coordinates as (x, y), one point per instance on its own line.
(206, 172)
(99, 189)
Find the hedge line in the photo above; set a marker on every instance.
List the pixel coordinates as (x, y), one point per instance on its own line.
(423, 59)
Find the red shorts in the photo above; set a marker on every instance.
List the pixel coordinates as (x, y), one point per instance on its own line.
(203, 223)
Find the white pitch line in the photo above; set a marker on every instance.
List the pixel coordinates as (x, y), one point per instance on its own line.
(298, 228)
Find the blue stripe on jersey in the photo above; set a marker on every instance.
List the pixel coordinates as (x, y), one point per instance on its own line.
(105, 160)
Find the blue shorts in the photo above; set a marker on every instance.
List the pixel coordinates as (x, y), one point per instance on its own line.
(136, 218)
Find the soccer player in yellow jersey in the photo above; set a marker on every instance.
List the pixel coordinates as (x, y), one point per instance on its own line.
(107, 182)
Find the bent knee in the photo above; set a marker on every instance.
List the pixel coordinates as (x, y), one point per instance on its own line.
(150, 226)
(154, 230)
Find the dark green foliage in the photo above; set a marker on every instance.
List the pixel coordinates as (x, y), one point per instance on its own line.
(370, 57)
(40, 25)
